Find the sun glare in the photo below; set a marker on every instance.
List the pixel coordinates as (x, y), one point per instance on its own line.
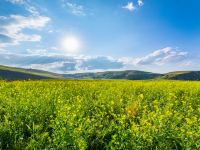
(71, 44)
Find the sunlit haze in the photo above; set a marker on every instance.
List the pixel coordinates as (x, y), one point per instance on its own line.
(71, 44)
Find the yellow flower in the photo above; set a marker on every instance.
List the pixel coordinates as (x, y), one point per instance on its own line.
(141, 96)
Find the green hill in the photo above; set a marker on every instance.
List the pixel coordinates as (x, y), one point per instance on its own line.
(182, 75)
(138, 75)
(12, 73)
(128, 74)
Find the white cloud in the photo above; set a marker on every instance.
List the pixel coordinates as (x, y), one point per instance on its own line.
(74, 8)
(17, 1)
(161, 57)
(39, 59)
(130, 6)
(140, 3)
(50, 31)
(27, 5)
(23, 37)
(31, 22)
(54, 48)
(37, 51)
(31, 9)
(48, 67)
(11, 29)
(2, 50)
(163, 60)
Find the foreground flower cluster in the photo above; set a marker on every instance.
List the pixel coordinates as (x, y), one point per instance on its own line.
(99, 115)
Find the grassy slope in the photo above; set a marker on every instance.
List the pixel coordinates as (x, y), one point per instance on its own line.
(129, 74)
(138, 75)
(12, 73)
(183, 75)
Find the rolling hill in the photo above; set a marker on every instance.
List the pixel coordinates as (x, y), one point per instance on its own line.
(128, 74)
(12, 73)
(138, 75)
(182, 75)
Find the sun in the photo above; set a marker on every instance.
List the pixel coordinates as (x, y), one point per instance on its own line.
(71, 44)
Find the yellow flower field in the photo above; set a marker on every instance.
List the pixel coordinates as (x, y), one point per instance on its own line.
(99, 115)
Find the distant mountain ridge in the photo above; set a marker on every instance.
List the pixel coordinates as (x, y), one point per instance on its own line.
(128, 74)
(12, 73)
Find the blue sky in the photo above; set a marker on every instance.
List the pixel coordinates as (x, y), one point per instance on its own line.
(94, 35)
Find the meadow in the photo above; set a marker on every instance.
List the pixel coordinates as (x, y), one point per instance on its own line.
(91, 114)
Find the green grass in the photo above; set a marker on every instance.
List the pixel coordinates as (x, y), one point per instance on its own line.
(99, 115)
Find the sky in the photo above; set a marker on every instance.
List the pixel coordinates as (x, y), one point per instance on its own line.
(69, 36)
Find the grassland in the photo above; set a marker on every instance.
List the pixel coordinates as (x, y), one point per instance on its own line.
(99, 115)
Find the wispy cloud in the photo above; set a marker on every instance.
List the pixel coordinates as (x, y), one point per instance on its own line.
(27, 5)
(74, 8)
(11, 29)
(37, 51)
(162, 57)
(32, 9)
(17, 1)
(130, 6)
(140, 3)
